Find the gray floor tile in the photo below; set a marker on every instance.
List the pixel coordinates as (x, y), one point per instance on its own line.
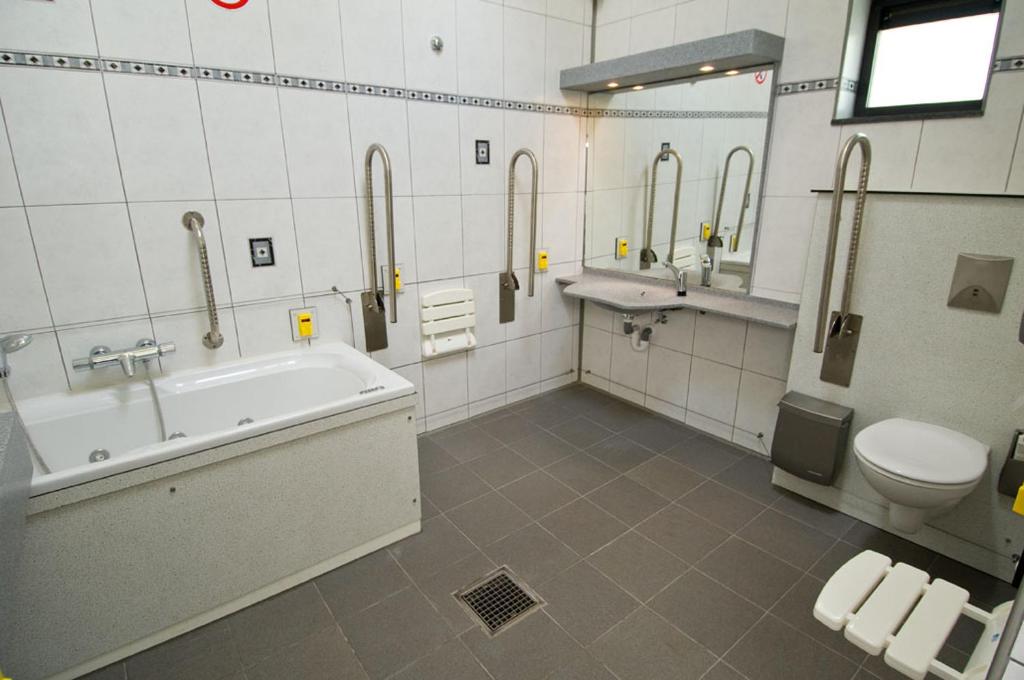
(585, 602)
(488, 518)
(510, 428)
(451, 661)
(325, 655)
(986, 591)
(543, 448)
(260, 630)
(658, 434)
(620, 453)
(207, 653)
(427, 509)
(835, 557)
(538, 493)
(531, 649)
(581, 473)
(965, 634)
(112, 672)
(359, 584)
(787, 539)
(465, 441)
(752, 477)
(627, 500)
(797, 609)
(683, 533)
(638, 565)
(721, 671)
(775, 651)
(583, 526)
(547, 415)
(709, 613)
(645, 647)
(438, 545)
(581, 432)
(441, 587)
(433, 458)
(705, 455)
(900, 550)
(501, 467)
(824, 519)
(395, 632)
(615, 415)
(453, 487)
(533, 554)
(751, 572)
(720, 505)
(584, 667)
(666, 477)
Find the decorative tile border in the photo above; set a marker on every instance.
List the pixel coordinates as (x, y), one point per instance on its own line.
(1009, 64)
(11, 58)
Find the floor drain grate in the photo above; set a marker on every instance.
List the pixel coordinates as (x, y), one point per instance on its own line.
(498, 601)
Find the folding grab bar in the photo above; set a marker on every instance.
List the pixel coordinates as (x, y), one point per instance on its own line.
(194, 222)
(374, 318)
(734, 242)
(647, 254)
(508, 284)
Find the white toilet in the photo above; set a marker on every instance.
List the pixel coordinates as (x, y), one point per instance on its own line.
(921, 469)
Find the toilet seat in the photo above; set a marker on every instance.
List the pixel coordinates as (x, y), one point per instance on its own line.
(921, 452)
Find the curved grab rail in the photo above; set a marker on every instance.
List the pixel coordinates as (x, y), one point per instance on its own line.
(194, 222)
(647, 254)
(734, 242)
(507, 281)
(389, 222)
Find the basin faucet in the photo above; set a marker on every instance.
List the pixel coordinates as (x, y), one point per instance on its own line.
(144, 351)
(680, 275)
(9, 345)
(707, 265)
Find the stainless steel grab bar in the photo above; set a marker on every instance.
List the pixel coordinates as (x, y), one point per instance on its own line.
(508, 284)
(734, 242)
(647, 254)
(374, 320)
(195, 222)
(838, 185)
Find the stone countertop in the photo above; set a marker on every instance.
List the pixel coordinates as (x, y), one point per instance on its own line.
(635, 293)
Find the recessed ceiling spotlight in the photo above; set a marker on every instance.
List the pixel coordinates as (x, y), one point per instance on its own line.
(732, 72)
(706, 68)
(612, 85)
(638, 87)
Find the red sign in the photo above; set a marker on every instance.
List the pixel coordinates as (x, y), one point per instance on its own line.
(237, 4)
(759, 77)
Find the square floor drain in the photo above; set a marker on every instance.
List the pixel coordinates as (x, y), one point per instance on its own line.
(498, 601)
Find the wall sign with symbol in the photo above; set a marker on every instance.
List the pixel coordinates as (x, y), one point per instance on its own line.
(760, 77)
(228, 4)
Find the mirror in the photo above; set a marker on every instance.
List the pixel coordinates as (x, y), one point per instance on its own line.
(716, 128)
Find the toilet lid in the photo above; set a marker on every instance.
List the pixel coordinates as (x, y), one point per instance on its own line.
(923, 452)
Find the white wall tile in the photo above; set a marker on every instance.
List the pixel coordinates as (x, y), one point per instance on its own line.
(815, 34)
(414, 374)
(483, 234)
(556, 353)
(523, 365)
(652, 30)
(668, 376)
(783, 239)
(445, 383)
(64, 28)
(714, 389)
(316, 142)
(485, 294)
(447, 418)
(478, 33)
(666, 409)
(629, 367)
(768, 350)
(76, 343)
(559, 311)
(307, 38)
(564, 50)
(426, 68)
(330, 251)
(766, 15)
(10, 192)
(720, 338)
(403, 337)
(757, 407)
(558, 232)
(438, 236)
(38, 369)
(88, 243)
(523, 44)
(486, 372)
(372, 39)
(699, 19)
(338, 320)
(612, 40)
(405, 239)
(572, 10)
(613, 10)
(677, 333)
(243, 220)
(19, 276)
(159, 134)
(38, 106)
(484, 124)
(709, 425)
(169, 255)
(529, 310)
(243, 133)
(380, 120)
(524, 130)
(186, 331)
(142, 31)
(900, 143)
(1015, 183)
(635, 396)
(561, 146)
(803, 145)
(1011, 34)
(225, 38)
(434, 146)
(265, 327)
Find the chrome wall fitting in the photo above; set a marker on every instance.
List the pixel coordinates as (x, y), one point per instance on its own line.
(647, 254)
(9, 345)
(195, 222)
(102, 356)
(843, 328)
(372, 300)
(508, 284)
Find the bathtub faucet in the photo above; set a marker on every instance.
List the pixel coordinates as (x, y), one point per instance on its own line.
(102, 356)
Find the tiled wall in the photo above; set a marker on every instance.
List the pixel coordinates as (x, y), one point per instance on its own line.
(259, 118)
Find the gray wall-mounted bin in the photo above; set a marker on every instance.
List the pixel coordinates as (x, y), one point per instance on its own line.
(810, 437)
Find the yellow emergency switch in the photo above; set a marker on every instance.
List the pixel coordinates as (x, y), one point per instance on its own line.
(705, 231)
(398, 279)
(303, 323)
(1018, 503)
(542, 260)
(621, 248)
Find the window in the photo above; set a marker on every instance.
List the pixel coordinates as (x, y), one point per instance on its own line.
(927, 56)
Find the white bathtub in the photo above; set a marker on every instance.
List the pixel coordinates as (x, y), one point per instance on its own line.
(211, 406)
